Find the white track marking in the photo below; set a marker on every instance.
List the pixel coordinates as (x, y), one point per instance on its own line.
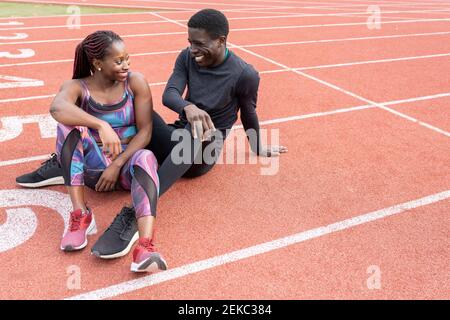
(12, 127)
(262, 72)
(123, 6)
(272, 121)
(18, 82)
(330, 85)
(16, 36)
(249, 46)
(237, 30)
(27, 98)
(291, 15)
(23, 160)
(337, 65)
(20, 228)
(23, 54)
(202, 265)
(11, 23)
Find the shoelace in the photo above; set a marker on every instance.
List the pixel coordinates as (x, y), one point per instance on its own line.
(147, 244)
(123, 220)
(53, 161)
(75, 221)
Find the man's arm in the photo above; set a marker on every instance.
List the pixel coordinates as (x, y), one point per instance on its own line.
(173, 93)
(247, 90)
(173, 98)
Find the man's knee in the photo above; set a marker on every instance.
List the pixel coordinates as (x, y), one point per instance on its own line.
(197, 170)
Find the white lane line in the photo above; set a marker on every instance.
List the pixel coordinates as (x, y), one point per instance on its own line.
(351, 4)
(238, 30)
(394, 36)
(249, 46)
(210, 3)
(23, 160)
(122, 6)
(362, 14)
(277, 120)
(206, 264)
(153, 84)
(333, 86)
(266, 72)
(373, 61)
(347, 92)
(27, 98)
(252, 10)
(143, 12)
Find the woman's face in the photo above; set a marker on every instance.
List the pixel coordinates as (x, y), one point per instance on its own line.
(116, 64)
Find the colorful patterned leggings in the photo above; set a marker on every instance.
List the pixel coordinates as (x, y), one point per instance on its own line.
(83, 162)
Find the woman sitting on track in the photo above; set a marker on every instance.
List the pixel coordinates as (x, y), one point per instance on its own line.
(104, 117)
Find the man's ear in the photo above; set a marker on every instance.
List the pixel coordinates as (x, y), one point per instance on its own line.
(222, 40)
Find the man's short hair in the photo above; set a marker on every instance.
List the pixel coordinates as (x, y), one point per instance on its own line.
(212, 21)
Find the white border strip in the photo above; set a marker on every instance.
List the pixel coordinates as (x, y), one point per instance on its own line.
(195, 267)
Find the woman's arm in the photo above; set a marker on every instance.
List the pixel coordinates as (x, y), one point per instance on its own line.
(64, 110)
(143, 109)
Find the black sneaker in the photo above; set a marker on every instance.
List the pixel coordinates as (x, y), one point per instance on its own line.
(120, 236)
(49, 174)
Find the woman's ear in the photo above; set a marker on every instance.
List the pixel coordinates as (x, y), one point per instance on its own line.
(97, 64)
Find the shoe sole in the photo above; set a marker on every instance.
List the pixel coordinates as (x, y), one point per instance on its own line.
(49, 182)
(92, 229)
(152, 264)
(118, 254)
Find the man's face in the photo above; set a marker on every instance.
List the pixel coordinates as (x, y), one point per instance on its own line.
(207, 52)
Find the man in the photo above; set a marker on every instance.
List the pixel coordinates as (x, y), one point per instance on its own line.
(219, 84)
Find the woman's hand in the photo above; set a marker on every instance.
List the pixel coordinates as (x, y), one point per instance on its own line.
(111, 142)
(108, 179)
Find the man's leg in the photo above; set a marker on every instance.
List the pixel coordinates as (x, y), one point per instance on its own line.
(122, 230)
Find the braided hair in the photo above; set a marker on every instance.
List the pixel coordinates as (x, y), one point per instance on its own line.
(94, 46)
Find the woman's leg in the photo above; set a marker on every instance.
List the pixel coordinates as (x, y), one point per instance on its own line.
(77, 149)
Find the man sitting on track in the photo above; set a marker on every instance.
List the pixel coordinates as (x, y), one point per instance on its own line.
(219, 84)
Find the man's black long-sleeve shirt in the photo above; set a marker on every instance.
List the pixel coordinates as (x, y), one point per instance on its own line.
(221, 91)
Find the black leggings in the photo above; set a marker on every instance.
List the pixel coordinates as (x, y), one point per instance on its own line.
(162, 145)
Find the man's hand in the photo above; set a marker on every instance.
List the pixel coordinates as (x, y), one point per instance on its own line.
(108, 179)
(201, 123)
(272, 151)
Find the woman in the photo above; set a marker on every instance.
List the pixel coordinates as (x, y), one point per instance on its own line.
(104, 117)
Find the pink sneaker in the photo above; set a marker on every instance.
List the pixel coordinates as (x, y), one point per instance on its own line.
(145, 257)
(80, 226)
